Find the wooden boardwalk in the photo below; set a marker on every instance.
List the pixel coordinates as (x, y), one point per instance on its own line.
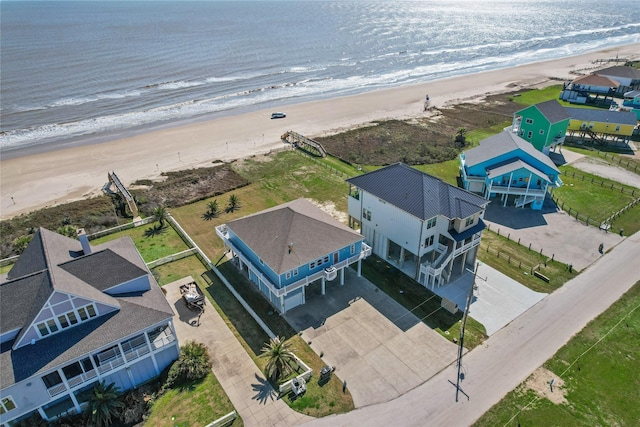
(302, 142)
(113, 179)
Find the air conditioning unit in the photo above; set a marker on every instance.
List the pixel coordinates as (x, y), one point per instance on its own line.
(330, 273)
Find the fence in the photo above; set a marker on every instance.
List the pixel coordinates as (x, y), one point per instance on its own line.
(324, 165)
(224, 420)
(117, 228)
(507, 256)
(171, 258)
(610, 186)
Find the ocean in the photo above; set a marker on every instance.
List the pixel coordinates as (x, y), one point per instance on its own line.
(76, 70)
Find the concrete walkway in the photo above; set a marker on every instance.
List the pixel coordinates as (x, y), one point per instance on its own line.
(251, 394)
(497, 301)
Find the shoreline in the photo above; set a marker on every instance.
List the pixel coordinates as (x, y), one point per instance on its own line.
(44, 176)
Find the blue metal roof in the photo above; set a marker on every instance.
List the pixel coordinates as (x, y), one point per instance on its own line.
(418, 193)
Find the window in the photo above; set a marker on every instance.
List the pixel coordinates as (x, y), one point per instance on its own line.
(353, 249)
(295, 272)
(42, 328)
(368, 215)
(428, 241)
(261, 261)
(319, 262)
(431, 223)
(529, 121)
(326, 259)
(521, 133)
(91, 310)
(7, 404)
(63, 321)
(469, 221)
(288, 275)
(529, 134)
(312, 265)
(52, 379)
(618, 128)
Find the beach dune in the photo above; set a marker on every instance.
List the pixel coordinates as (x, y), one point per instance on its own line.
(60, 175)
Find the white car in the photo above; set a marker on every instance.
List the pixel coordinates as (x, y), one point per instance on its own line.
(278, 115)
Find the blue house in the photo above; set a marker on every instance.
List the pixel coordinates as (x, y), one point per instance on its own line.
(286, 248)
(507, 166)
(73, 314)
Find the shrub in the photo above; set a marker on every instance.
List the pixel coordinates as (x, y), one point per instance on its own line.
(193, 364)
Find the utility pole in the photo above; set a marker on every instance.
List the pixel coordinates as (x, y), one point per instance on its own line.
(464, 323)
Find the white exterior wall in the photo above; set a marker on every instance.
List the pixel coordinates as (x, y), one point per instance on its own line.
(28, 395)
(388, 222)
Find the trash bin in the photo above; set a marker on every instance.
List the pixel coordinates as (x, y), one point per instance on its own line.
(325, 373)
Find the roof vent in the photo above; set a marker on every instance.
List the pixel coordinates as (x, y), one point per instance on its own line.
(84, 241)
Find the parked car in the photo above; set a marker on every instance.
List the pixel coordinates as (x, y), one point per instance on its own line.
(278, 115)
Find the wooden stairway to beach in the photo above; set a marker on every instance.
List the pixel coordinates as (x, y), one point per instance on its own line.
(113, 179)
(302, 142)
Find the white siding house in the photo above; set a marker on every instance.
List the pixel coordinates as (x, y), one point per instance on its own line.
(416, 222)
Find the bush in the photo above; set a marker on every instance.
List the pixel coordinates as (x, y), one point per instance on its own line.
(193, 364)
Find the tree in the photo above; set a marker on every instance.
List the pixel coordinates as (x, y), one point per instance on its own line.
(233, 204)
(104, 404)
(279, 356)
(461, 138)
(213, 210)
(160, 214)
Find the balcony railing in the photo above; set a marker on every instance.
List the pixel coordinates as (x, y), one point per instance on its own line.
(136, 352)
(113, 363)
(57, 389)
(82, 378)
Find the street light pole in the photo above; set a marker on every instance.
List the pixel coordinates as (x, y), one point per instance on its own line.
(464, 323)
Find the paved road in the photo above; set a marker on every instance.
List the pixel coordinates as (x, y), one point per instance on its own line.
(512, 354)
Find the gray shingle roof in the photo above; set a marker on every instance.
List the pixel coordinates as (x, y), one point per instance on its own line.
(603, 116)
(503, 143)
(418, 193)
(310, 232)
(96, 269)
(552, 110)
(29, 286)
(621, 71)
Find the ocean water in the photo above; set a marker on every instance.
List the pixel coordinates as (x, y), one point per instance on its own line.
(80, 70)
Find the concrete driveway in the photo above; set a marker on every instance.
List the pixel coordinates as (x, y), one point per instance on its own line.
(379, 348)
(552, 230)
(496, 302)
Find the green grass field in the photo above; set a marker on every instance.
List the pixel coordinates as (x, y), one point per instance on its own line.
(592, 196)
(151, 242)
(599, 366)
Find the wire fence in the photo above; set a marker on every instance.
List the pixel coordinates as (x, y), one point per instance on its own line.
(325, 165)
(511, 260)
(601, 182)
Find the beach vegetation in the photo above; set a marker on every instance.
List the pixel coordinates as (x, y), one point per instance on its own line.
(213, 210)
(68, 230)
(599, 367)
(21, 243)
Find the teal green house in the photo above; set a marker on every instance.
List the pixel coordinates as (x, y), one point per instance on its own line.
(544, 125)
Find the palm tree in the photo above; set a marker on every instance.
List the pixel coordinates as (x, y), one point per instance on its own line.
(233, 204)
(213, 208)
(160, 214)
(104, 404)
(280, 357)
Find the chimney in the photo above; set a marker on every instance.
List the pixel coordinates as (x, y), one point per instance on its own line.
(84, 241)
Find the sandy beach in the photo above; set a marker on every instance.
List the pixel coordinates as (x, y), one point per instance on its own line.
(47, 178)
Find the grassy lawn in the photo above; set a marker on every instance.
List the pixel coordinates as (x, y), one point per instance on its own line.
(446, 171)
(151, 242)
(516, 259)
(601, 377)
(421, 302)
(593, 199)
(196, 404)
(476, 135)
(5, 269)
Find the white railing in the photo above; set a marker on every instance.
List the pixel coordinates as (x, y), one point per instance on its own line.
(81, 378)
(111, 364)
(160, 342)
(475, 241)
(516, 190)
(57, 389)
(136, 352)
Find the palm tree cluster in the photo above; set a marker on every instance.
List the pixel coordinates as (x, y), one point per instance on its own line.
(213, 210)
(233, 203)
(280, 358)
(160, 214)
